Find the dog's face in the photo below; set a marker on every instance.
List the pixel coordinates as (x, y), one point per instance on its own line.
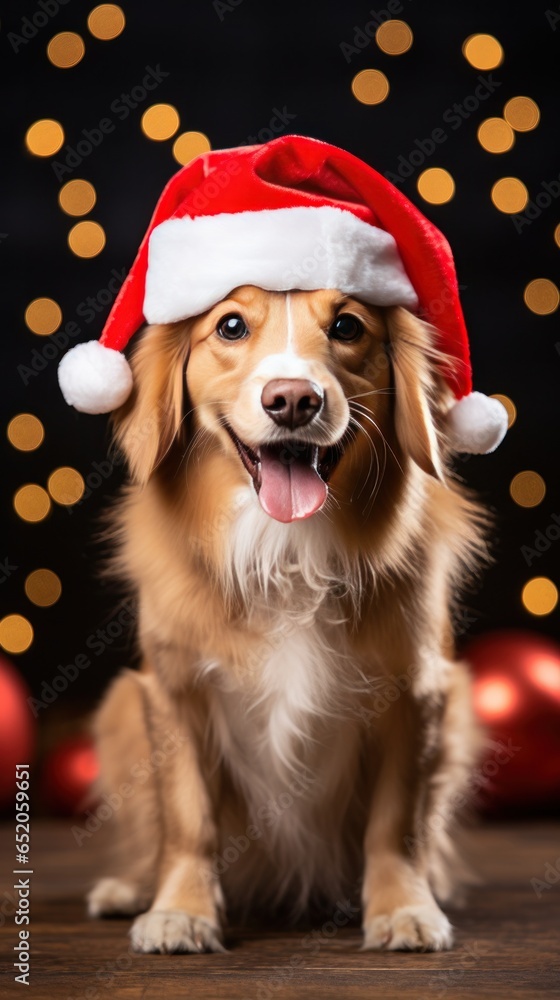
(296, 393)
(274, 376)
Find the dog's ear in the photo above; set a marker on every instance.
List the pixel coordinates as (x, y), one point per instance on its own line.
(416, 388)
(151, 420)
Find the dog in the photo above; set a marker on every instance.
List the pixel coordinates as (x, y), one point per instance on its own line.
(296, 541)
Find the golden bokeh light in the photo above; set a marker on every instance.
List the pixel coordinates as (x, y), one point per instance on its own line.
(557, 235)
(527, 488)
(43, 316)
(495, 135)
(16, 634)
(160, 122)
(31, 502)
(539, 596)
(77, 197)
(541, 296)
(509, 195)
(45, 137)
(190, 144)
(86, 239)
(66, 49)
(436, 186)
(522, 114)
(66, 486)
(509, 406)
(483, 51)
(43, 587)
(106, 21)
(25, 432)
(370, 86)
(394, 37)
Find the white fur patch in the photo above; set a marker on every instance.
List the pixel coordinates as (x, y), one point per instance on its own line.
(287, 728)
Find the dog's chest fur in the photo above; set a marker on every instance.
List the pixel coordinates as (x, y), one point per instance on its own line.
(287, 727)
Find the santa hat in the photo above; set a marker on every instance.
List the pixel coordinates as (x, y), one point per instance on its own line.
(294, 213)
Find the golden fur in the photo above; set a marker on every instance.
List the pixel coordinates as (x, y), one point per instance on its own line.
(323, 730)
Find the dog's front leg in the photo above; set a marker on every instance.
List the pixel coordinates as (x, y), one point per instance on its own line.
(400, 911)
(185, 914)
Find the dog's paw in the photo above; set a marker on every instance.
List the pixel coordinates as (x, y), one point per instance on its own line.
(420, 927)
(111, 897)
(168, 931)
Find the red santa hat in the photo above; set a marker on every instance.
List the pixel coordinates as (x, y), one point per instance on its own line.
(294, 213)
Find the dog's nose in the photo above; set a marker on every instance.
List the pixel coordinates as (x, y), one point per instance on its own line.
(292, 402)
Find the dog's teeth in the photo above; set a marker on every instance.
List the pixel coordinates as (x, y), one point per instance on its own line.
(315, 456)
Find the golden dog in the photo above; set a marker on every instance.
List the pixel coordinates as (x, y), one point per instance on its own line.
(296, 543)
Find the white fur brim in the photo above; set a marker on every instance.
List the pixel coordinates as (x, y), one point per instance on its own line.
(477, 424)
(94, 378)
(194, 263)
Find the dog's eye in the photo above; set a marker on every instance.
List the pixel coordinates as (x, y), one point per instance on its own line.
(346, 327)
(232, 327)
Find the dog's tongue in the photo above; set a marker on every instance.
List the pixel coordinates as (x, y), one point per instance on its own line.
(289, 491)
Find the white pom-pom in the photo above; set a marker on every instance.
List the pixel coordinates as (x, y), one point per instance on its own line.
(477, 424)
(94, 378)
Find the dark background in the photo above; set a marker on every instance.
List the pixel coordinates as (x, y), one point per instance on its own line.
(227, 75)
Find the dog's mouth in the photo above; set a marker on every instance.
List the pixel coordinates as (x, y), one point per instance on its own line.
(290, 477)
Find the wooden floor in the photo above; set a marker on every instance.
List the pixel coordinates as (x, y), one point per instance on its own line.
(507, 940)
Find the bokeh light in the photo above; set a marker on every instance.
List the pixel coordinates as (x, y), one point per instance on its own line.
(522, 114)
(66, 486)
(495, 135)
(43, 587)
(436, 186)
(394, 37)
(106, 21)
(160, 122)
(66, 49)
(494, 697)
(190, 144)
(25, 432)
(370, 86)
(541, 296)
(31, 502)
(539, 596)
(509, 195)
(43, 316)
(16, 633)
(45, 137)
(509, 406)
(557, 235)
(483, 51)
(527, 488)
(86, 239)
(77, 197)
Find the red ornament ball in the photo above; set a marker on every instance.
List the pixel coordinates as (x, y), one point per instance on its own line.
(17, 729)
(517, 698)
(68, 775)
